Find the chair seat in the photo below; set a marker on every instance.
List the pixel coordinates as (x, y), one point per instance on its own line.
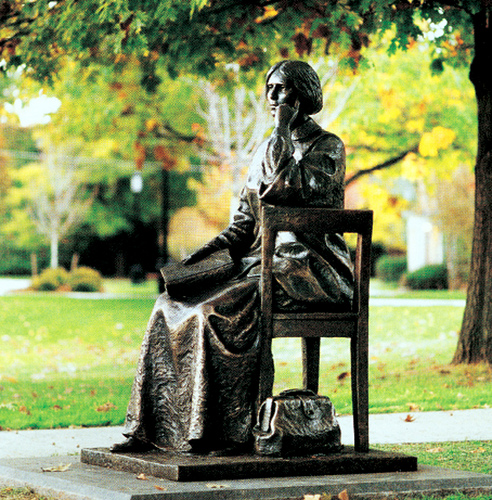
(315, 325)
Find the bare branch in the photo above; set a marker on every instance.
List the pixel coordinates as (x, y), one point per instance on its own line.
(380, 166)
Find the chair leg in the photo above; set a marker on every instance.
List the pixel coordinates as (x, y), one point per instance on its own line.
(310, 363)
(360, 396)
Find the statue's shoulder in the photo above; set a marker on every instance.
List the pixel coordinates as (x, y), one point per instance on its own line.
(329, 140)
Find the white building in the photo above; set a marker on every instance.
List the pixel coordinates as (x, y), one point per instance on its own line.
(424, 242)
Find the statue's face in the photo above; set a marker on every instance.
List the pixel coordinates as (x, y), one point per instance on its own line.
(279, 91)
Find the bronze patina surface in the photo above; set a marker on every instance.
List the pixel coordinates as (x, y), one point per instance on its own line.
(186, 467)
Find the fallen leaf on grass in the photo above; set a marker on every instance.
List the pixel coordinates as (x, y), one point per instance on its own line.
(142, 477)
(343, 495)
(343, 376)
(413, 407)
(435, 450)
(106, 407)
(478, 450)
(57, 468)
(23, 409)
(409, 418)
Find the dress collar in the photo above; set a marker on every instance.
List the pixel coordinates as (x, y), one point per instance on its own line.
(306, 130)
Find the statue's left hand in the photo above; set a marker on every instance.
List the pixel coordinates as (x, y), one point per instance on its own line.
(199, 254)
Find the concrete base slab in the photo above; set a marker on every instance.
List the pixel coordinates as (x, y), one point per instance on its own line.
(83, 482)
(184, 467)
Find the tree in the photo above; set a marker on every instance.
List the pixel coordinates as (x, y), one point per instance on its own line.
(235, 129)
(57, 199)
(252, 34)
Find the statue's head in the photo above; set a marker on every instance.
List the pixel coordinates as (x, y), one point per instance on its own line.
(302, 77)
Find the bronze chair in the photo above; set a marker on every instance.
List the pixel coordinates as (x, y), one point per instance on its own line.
(312, 326)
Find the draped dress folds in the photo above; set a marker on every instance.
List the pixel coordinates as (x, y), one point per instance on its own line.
(197, 375)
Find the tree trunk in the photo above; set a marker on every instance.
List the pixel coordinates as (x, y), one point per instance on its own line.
(475, 339)
(54, 249)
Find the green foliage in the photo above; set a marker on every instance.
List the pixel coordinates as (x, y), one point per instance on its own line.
(202, 37)
(431, 277)
(50, 279)
(85, 279)
(391, 267)
(14, 261)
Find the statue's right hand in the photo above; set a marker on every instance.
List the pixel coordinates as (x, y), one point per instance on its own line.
(286, 114)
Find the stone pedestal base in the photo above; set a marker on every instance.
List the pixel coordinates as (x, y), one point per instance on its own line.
(180, 467)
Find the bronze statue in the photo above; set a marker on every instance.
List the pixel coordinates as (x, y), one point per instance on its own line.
(197, 377)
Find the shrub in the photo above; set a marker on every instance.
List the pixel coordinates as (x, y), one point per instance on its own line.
(50, 279)
(432, 277)
(391, 267)
(85, 279)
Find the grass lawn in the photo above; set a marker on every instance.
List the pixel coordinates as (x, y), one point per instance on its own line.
(68, 361)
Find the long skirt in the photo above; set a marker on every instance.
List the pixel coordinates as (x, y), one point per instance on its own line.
(197, 376)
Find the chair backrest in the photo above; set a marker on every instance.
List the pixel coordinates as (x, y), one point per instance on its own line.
(317, 220)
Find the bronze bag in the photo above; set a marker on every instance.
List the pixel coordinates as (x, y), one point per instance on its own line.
(183, 281)
(297, 422)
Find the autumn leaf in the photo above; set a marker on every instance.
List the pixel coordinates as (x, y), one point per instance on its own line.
(23, 409)
(409, 418)
(57, 468)
(160, 488)
(343, 376)
(413, 407)
(343, 495)
(435, 450)
(478, 450)
(106, 407)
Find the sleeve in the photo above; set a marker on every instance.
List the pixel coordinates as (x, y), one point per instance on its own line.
(239, 235)
(316, 179)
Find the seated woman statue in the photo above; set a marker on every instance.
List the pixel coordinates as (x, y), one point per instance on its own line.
(197, 378)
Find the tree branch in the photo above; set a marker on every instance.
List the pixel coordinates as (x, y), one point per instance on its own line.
(380, 166)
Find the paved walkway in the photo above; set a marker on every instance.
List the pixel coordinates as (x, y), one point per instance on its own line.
(425, 427)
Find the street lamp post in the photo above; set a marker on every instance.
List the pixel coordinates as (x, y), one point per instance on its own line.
(163, 253)
(137, 274)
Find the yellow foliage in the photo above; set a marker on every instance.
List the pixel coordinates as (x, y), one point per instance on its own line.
(389, 225)
(189, 230)
(214, 195)
(268, 12)
(151, 124)
(438, 138)
(414, 167)
(104, 147)
(390, 114)
(416, 125)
